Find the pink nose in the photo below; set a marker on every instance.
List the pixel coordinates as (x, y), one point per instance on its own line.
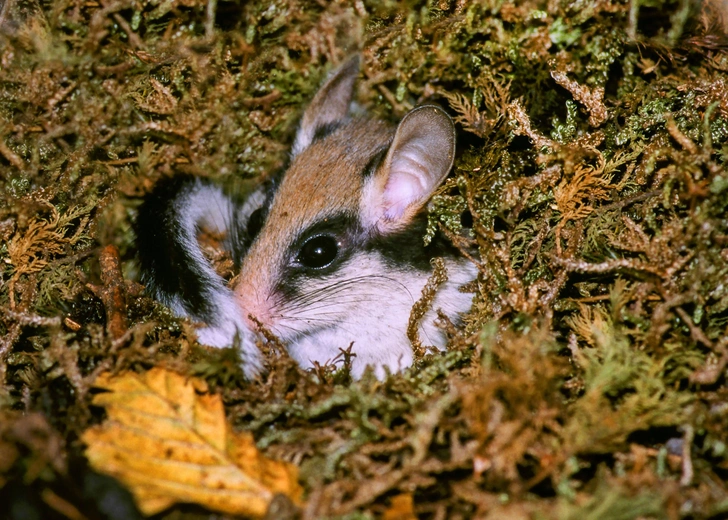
(253, 309)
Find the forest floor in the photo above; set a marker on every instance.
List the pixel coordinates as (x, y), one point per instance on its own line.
(588, 382)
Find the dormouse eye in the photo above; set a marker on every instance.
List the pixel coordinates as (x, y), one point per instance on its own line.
(318, 251)
(255, 223)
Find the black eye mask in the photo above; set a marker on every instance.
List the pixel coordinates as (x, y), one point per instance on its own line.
(325, 245)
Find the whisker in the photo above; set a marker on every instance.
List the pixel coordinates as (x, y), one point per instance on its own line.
(327, 292)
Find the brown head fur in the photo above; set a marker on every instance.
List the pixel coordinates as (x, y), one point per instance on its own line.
(325, 179)
(328, 177)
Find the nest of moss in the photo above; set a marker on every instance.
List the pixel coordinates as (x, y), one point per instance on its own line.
(590, 379)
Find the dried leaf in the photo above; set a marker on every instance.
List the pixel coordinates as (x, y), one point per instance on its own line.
(167, 440)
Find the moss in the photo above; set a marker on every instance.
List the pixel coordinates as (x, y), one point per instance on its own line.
(593, 140)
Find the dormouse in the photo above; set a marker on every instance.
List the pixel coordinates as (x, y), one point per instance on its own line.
(331, 254)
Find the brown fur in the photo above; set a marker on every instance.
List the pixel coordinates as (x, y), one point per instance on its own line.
(323, 180)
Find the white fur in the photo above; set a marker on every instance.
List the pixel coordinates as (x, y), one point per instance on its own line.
(230, 330)
(207, 206)
(254, 201)
(371, 310)
(201, 205)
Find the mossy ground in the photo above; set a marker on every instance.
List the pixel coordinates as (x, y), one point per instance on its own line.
(590, 379)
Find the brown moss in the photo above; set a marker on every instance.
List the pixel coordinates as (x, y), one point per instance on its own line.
(589, 380)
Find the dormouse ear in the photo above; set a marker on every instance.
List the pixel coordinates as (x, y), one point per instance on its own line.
(417, 162)
(329, 105)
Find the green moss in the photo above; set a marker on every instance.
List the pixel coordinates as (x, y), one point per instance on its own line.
(602, 303)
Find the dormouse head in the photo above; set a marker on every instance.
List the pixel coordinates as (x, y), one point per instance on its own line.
(335, 241)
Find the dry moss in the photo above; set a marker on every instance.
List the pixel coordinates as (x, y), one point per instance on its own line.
(590, 378)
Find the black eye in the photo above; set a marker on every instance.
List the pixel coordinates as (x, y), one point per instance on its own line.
(255, 223)
(318, 251)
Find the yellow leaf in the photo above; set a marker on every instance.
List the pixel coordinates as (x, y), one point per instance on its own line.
(167, 440)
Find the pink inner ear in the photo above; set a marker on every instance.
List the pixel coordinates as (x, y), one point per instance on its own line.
(403, 189)
(418, 160)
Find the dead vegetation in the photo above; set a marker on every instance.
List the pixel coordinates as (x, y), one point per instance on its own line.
(589, 380)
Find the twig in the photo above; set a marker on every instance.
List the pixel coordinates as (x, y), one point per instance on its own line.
(687, 461)
(398, 107)
(626, 202)
(121, 162)
(263, 101)
(33, 319)
(523, 127)
(426, 423)
(18, 319)
(113, 291)
(210, 19)
(606, 267)
(696, 333)
(591, 98)
(711, 371)
(680, 137)
(11, 156)
(134, 39)
(6, 343)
